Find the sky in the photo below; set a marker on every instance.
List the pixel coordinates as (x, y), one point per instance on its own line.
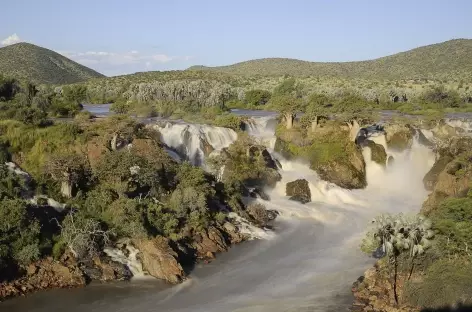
(120, 37)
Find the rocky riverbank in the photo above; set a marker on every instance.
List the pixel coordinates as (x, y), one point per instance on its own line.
(448, 205)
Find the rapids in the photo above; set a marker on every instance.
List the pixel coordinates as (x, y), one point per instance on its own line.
(307, 264)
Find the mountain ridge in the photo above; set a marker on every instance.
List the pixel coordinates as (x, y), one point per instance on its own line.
(439, 60)
(41, 65)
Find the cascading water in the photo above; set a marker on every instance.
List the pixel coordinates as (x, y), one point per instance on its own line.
(195, 141)
(308, 265)
(464, 124)
(131, 260)
(263, 128)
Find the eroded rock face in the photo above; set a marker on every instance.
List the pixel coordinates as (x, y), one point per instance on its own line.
(378, 153)
(399, 137)
(44, 274)
(260, 214)
(299, 190)
(348, 173)
(451, 175)
(431, 177)
(160, 260)
(453, 181)
(209, 242)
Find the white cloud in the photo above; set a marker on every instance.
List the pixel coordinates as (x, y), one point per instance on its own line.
(126, 62)
(11, 40)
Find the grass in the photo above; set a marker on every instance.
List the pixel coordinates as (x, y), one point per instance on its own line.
(437, 61)
(41, 66)
(445, 283)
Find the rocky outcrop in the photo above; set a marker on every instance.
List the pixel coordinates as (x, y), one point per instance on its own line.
(160, 260)
(260, 214)
(104, 270)
(378, 153)
(299, 190)
(44, 274)
(347, 172)
(454, 181)
(443, 131)
(451, 175)
(373, 293)
(399, 137)
(431, 177)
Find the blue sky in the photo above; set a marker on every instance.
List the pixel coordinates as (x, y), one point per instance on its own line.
(116, 37)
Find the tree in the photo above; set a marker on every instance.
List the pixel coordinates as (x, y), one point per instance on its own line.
(318, 107)
(71, 170)
(83, 236)
(74, 94)
(397, 236)
(19, 234)
(353, 110)
(257, 97)
(288, 106)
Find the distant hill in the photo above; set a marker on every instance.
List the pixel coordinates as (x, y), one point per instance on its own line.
(42, 66)
(450, 59)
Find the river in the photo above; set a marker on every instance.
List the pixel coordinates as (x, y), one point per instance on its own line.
(307, 263)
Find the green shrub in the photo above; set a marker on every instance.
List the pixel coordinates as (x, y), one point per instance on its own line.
(444, 284)
(453, 222)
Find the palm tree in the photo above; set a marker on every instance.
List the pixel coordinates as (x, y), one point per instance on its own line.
(400, 235)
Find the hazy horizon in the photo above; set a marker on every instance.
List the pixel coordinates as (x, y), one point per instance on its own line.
(120, 38)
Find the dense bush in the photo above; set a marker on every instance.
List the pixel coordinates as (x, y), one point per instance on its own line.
(20, 237)
(445, 283)
(257, 97)
(453, 222)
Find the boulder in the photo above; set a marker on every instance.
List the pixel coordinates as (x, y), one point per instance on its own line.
(390, 161)
(346, 172)
(259, 149)
(453, 181)
(232, 232)
(443, 131)
(260, 213)
(399, 137)
(431, 177)
(378, 153)
(159, 260)
(456, 146)
(299, 190)
(258, 193)
(282, 148)
(210, 240)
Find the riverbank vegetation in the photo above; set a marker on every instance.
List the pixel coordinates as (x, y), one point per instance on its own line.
(434, 274)
(69, 188)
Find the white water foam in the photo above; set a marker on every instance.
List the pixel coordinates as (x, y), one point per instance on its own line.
(312, 261)
(131, 261)
(190, 139)
(464, 124)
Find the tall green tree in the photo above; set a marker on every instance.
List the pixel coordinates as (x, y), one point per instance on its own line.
(318, 107)
(288, 106)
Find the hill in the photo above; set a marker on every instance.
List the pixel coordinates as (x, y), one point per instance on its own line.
(42, 66)
(450, 59)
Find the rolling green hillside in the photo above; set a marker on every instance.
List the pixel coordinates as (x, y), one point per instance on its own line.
(42, 66)
(448, 60)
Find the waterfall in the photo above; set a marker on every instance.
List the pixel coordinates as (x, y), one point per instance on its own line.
(263, 128)
(247, 228)
(464, 124)
(130, 260)
(311, 259)
(194, 141)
